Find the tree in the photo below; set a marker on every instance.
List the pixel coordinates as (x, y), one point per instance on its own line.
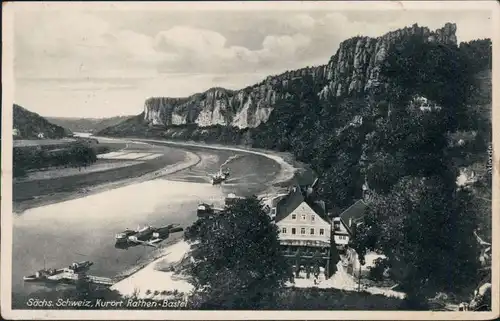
(440, 72)
(81, 155)
(384, 171)
(340, 184)
(237, 261)
(425, 228)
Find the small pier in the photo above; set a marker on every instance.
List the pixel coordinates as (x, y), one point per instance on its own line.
(100, 280)
(75, 277)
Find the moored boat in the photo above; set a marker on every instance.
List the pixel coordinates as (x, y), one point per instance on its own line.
(123, 236)
(55, 275)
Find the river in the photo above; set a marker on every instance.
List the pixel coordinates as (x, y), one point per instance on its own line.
(83, 229)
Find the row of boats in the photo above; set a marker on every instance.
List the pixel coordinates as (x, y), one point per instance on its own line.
(147, 236)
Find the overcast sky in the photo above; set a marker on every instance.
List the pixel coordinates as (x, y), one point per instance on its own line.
(106, 63)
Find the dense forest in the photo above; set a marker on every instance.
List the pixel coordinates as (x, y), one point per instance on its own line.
(407, 143)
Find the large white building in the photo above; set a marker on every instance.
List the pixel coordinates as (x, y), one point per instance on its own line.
(304, 231)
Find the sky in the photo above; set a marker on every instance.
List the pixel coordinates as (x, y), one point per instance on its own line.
(101, 63)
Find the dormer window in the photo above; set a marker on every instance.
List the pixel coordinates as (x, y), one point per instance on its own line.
(336, 226)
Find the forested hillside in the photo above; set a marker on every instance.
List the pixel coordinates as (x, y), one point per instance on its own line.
(405, 142)
(87, 125)
(28, 125)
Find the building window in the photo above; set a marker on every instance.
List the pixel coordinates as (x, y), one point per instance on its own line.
(303, 217)
(283, 230)
(313, 218)
(321, 231)
(336, 226)
(294, 216)
(293, 231)
(303, 230)
(312, 231)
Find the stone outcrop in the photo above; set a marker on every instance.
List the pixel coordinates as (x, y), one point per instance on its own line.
(243, 108)
(356, 66)
(354, 69)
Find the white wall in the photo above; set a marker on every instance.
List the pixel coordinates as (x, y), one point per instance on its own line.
(340, 236)
(341, 239)
(303, 217)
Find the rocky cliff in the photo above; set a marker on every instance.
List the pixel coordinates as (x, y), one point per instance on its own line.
(356, 66)
(243, 108)
(354, 69)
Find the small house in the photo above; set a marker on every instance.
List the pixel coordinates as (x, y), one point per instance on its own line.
(344, 225)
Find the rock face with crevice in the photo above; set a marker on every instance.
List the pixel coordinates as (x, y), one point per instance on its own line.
(354, 69)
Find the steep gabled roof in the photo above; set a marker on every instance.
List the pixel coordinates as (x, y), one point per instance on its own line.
(320, 208)
(296, 197)
(355, 212)
(289, 203)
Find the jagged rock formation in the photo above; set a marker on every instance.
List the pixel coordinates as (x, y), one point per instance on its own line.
(354, 69)
(356, 66)
(244, 108)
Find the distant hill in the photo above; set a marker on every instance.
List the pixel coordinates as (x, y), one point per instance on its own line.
(29, 125)
(87, 125)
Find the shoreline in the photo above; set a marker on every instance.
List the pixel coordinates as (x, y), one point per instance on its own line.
(190, 160)
(151, 258)
(287, 173)
(150, 275)
(290, 168)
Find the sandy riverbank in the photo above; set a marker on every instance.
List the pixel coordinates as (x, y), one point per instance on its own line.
(188, 160)
(289, 166)
(52, 173)
(152, 281)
